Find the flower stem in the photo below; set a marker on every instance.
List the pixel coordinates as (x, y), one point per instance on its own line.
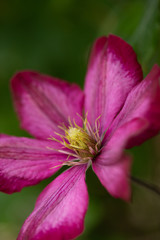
(149, 186)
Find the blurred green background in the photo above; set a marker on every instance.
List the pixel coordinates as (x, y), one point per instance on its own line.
(55, 37)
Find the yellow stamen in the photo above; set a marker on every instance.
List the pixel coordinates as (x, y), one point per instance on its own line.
(84, 143)
(77, 137)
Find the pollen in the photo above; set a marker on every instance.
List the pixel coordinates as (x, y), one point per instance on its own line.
(83, 143)
(78, 138)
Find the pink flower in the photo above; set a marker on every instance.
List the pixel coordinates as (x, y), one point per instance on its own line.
(120, 111)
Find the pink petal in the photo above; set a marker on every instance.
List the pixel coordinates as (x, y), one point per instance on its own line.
(112, 166)
(25, 162)
(43, 103)
(112, 73)
(142, 102)
(113, 149)
(115, 178)
(60, 209)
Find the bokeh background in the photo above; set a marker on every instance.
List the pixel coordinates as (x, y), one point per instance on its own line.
(55, 37)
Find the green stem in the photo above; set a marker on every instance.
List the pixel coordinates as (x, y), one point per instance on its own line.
(149, 186)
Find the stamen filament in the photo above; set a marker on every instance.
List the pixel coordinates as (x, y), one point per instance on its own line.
(84, 143)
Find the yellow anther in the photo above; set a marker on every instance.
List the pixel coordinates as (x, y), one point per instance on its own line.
(83, 143)
(78, 138)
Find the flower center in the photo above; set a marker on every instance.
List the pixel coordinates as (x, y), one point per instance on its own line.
(83, 144)
(77, 138)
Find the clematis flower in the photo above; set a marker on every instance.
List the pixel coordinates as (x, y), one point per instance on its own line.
(116, 111)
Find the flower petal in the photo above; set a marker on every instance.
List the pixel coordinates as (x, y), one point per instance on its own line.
(112, 166)
(43, 103)
(112, 73)
(115, 178)
(142, 102)
(60, 209)
(113, 149)
(25, 162)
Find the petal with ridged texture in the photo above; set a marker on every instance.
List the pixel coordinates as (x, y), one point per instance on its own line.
(43, 103)
(142, 102)
(115, 177)
(112, 166)
(60, 209)
(112, 73)
(25, 162)
(113, 149)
